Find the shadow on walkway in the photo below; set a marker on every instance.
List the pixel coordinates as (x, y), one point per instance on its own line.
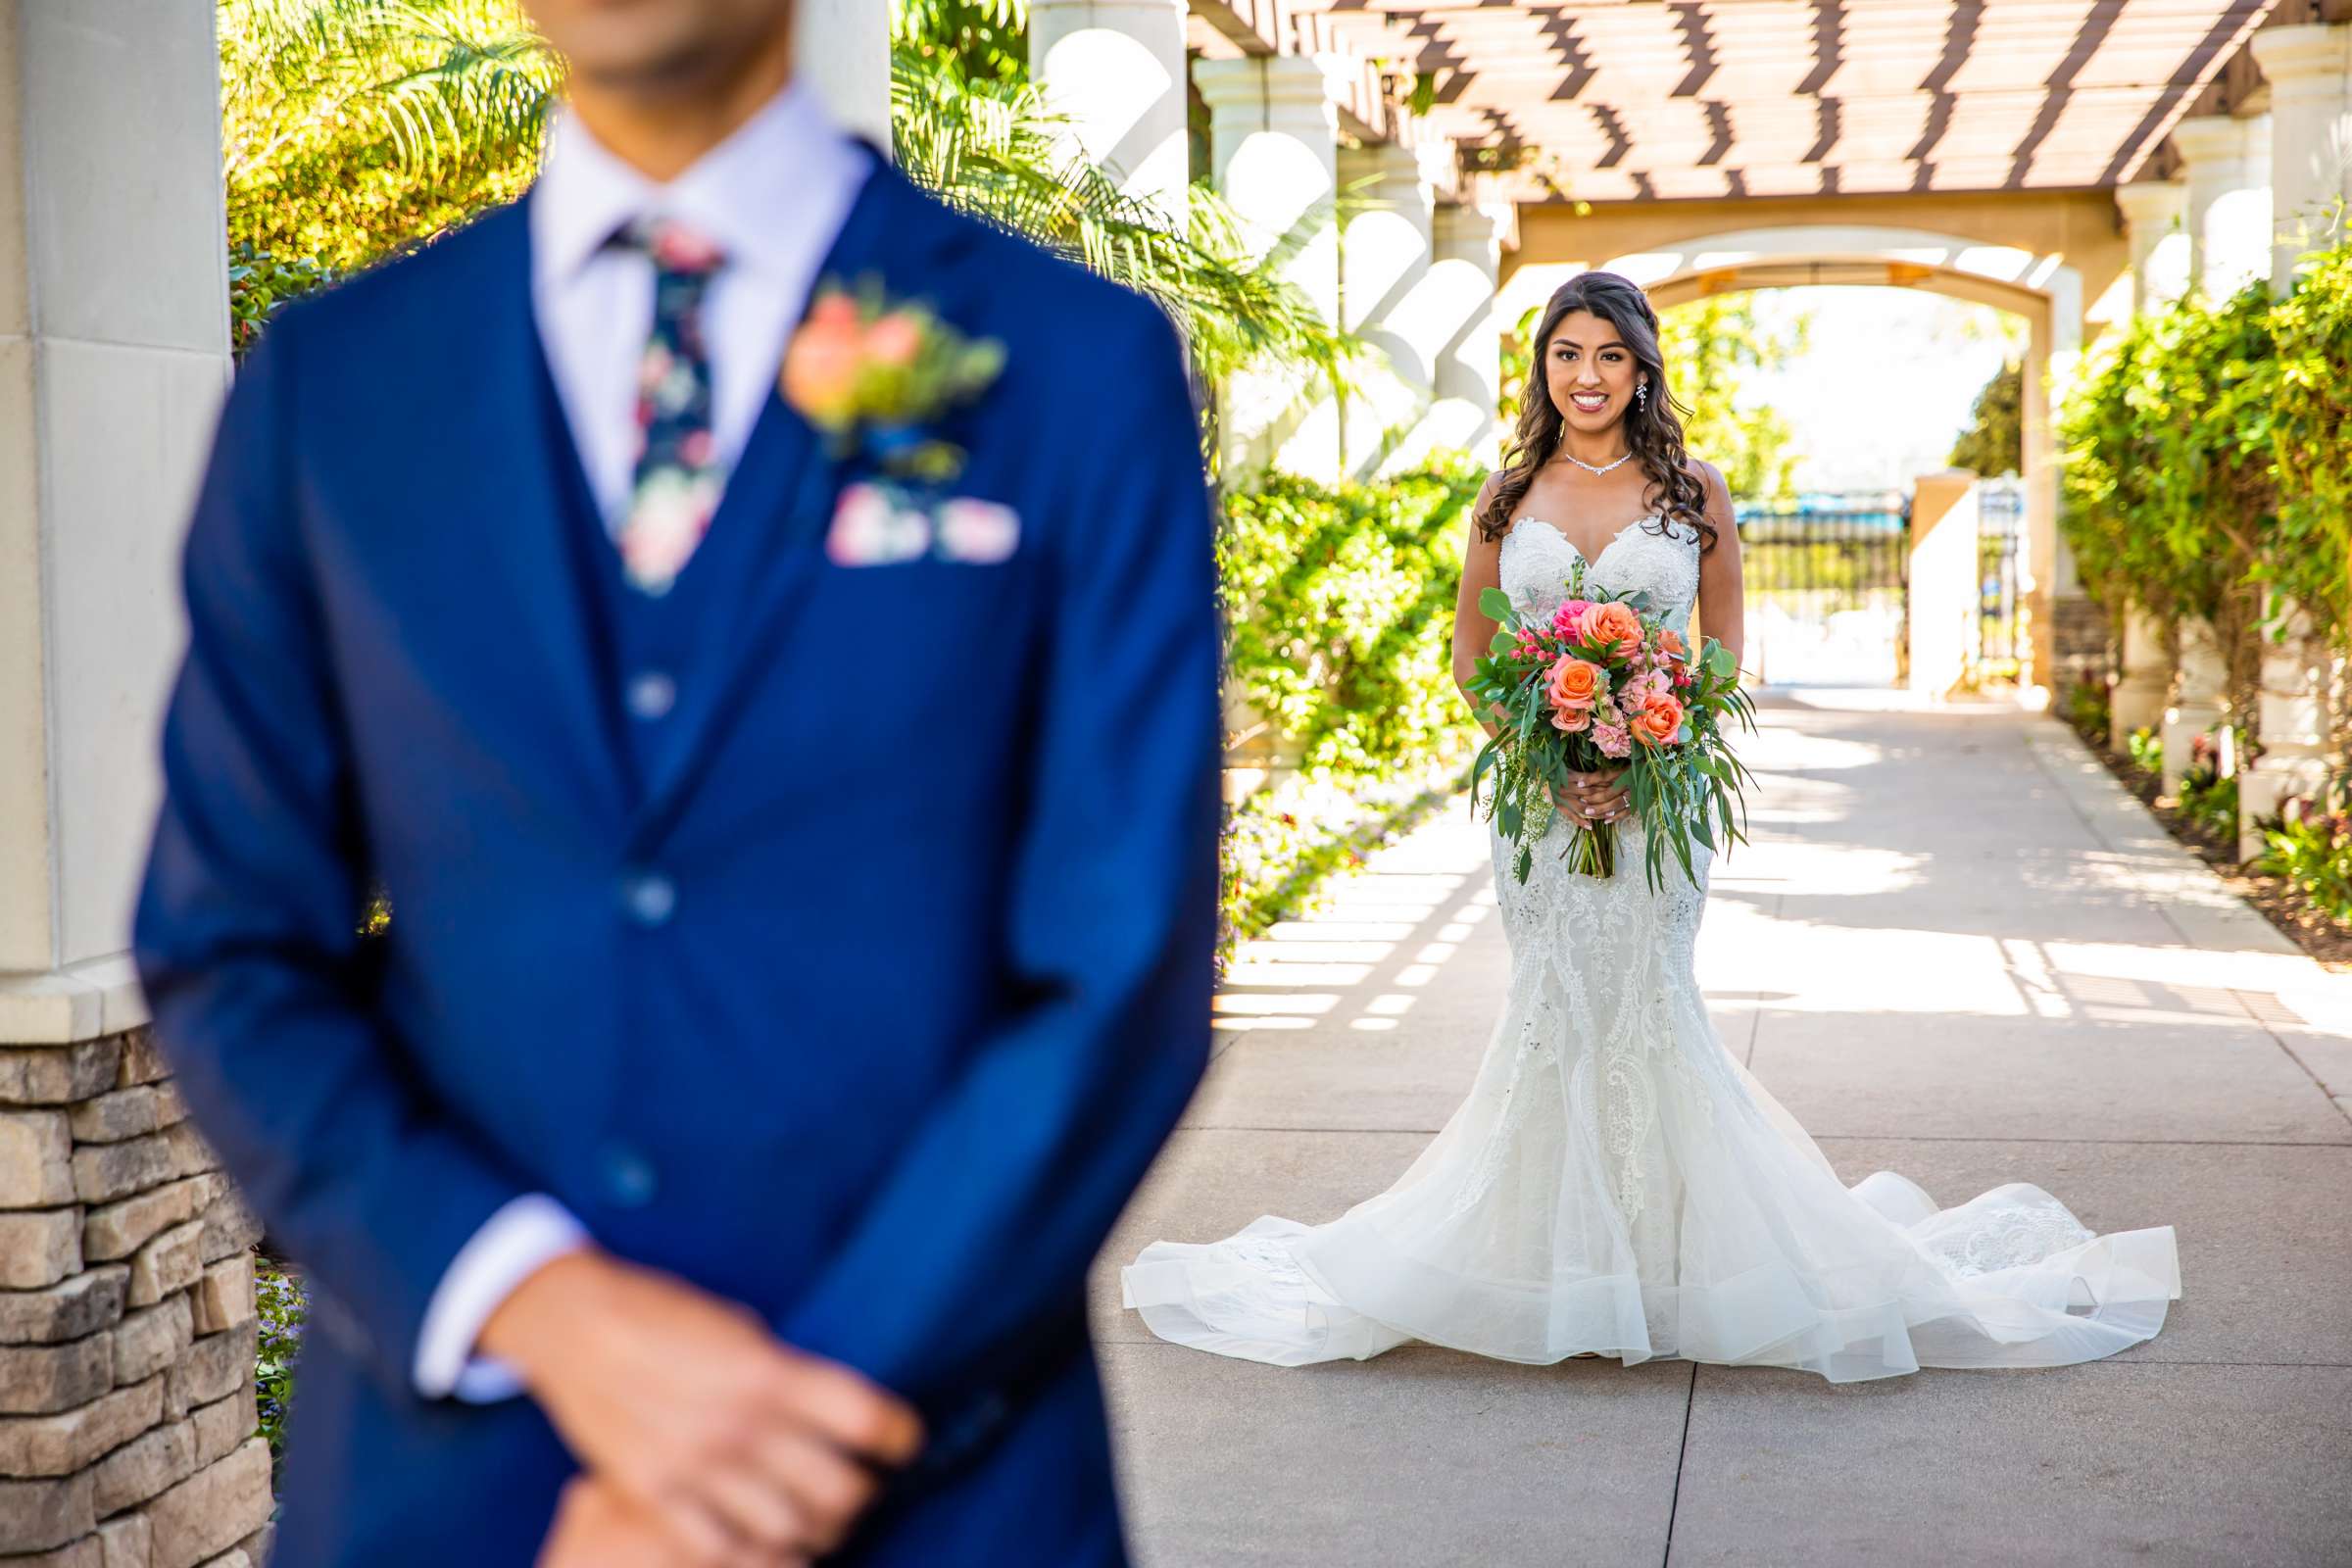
(1954, 949)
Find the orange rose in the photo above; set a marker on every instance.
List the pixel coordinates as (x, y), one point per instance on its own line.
(1572, 721)
(1659, 722)
(1671, 641)
(1614, 626)
(821, 368)
(1575, 684)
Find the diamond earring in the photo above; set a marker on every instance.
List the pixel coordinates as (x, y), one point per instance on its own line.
(1642, 394)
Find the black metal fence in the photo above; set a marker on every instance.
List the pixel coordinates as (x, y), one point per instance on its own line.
(2000, 537)
(1825, 577)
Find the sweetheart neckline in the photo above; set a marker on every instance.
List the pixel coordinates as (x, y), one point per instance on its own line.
(1593, 559)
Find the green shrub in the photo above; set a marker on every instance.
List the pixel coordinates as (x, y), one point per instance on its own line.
(285, 1309)
(1339, 602)
(2313, 850)
(2088, 709)
(2146, 750)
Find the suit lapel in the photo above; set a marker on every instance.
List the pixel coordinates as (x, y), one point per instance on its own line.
(533, 504)
(771, 520)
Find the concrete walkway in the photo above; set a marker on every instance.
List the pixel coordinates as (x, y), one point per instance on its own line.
(1956, 949)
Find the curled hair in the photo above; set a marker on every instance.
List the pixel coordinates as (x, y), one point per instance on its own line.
(1654, 426)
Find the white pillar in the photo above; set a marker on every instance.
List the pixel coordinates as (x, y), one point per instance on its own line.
(1274, 153)
(2200, 696)
(1385, 297)
(1116, 68)
(2227, 164)
(114, 352)
(842, 47)
(2137, 700)
(1462, 283)
(2292, 725)
(2153, 213)
(1945, 621)
(2310, 73)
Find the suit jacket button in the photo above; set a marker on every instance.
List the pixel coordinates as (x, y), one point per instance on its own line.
(650, 898)
(628, 1176)
(651, 694)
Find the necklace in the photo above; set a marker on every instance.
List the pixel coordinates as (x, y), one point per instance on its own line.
(1602, 468)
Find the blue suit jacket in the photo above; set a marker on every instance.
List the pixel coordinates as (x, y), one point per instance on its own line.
(926, 983)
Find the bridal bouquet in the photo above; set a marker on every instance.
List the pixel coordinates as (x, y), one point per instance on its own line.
(1601, 683)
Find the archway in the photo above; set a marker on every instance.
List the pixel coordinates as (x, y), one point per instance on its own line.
(2040, 283)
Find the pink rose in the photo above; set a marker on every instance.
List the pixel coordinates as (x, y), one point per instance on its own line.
(1565, 618)
(1572, 721)
(893, 340)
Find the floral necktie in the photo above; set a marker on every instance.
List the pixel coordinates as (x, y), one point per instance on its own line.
(677, 482)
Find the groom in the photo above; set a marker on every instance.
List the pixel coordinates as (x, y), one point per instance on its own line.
(800, 873)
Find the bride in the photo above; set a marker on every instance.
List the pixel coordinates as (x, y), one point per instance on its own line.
(1616, 1183)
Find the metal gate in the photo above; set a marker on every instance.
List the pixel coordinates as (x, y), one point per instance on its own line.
(2001, 531)
(1825, 577)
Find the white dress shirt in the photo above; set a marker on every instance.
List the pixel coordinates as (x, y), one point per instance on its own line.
(773, 197)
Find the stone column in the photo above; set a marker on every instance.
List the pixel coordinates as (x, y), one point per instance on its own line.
(1274, 156)
(2310, 73)
(2199, 698)
(843, 48)
(2154, 212)
(127, 1306)
(1385, 250)
(1462, 284)
(2229, 175)
(1116, 68)
(2293, 724)
(2139, 695)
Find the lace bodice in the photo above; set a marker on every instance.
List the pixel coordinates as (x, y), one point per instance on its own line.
(1536, 558)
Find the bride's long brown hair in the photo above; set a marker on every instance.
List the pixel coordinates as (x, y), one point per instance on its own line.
(1654, 426)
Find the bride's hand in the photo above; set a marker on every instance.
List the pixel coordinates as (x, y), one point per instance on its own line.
(1593, 798)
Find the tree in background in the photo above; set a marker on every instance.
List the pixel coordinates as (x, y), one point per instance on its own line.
(1708, 345)
(353, 129)
(1994, 442)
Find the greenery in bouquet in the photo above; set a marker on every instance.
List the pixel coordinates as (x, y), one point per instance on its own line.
(1603, 684)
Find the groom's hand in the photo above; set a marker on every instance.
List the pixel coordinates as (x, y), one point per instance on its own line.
(687, 1404)
(596, 1527)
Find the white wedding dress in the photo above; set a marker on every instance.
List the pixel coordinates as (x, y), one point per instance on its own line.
(1617, 1183)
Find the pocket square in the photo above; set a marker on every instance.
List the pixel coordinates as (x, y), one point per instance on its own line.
(873, 527)
(980, 533)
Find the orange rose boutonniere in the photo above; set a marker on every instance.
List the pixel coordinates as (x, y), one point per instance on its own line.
(875, 376)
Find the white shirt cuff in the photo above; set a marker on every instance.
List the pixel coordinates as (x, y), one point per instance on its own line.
(511, 1246)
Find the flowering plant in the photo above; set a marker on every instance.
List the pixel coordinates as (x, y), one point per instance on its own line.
(874, 375)
(1600, 683)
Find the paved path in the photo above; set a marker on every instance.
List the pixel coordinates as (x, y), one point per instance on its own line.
(1955, 949)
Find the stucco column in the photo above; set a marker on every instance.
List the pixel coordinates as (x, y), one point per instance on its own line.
(1386, 253)
(1274, 155)
(2199, 698)
(2228, 167)
(1462, 283)
(2154, 214)
(2139, 695)
(843, 46)
(2310, 73)
(2291, 723)
(126, 1281)
(1945, 624)
(1116, 68)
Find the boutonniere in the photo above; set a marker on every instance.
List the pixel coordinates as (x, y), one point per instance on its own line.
(875, 376)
